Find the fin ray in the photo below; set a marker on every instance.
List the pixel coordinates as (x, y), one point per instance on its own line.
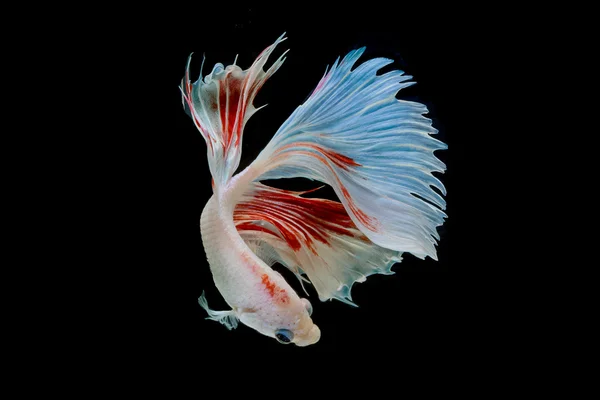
(310, 236)
(375, 151)
(227, 318)
(220, 104)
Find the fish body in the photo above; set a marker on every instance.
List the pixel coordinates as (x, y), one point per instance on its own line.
(259, 296)
(376, 153)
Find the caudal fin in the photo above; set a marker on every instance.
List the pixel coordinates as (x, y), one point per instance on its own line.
(220, 104)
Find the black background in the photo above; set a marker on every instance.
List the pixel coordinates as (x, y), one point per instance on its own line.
(427, 312)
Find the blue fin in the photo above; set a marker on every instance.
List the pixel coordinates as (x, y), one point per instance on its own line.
(376, 152)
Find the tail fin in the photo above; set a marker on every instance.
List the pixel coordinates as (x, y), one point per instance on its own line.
(374, 150)
(220, 104)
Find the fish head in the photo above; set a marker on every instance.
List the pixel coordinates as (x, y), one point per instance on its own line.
(289, 322)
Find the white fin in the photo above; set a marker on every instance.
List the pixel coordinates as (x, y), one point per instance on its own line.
(227, 318)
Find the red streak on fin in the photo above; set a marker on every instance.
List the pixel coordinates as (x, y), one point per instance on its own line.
(250, 226)
(358, 213)
(338, 159)
(223, 111)
(341, 160)
(299, 221)
(230, 112)
(322, 83)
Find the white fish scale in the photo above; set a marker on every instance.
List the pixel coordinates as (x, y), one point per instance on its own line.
(229, 258)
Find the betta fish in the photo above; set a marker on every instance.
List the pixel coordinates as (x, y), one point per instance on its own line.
(375, 151)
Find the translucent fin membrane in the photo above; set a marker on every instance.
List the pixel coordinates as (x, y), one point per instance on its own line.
(374, 150)
(220, 104)
(227, 318)
(310, 236)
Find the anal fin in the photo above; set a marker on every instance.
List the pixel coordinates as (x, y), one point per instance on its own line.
(310, 236)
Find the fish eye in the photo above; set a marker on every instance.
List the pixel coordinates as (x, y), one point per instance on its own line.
(284, 336)
(308, 306)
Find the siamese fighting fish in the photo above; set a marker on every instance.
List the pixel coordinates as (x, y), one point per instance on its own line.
(375, 151)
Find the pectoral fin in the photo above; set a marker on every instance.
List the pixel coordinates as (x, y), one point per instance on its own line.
(227, 318)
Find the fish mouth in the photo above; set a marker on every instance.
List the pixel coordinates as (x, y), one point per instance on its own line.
(312, 337)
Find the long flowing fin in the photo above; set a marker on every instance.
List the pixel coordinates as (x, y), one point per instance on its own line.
(310, 236)
(220, 104)
(374, 150)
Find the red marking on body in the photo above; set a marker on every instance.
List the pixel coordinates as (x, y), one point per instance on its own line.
(268, 284)
(250, 262)
(274, 291)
